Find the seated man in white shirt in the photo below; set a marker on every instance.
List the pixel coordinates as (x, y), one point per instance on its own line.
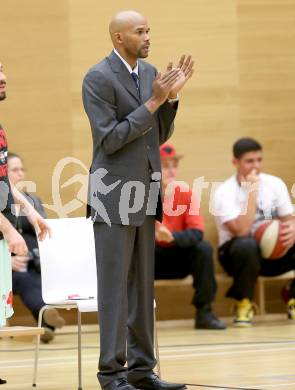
(238, 208)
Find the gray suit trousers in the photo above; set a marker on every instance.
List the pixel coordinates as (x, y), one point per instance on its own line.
(125, 270)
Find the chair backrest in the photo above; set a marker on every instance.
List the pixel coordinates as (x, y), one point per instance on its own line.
(68, 263)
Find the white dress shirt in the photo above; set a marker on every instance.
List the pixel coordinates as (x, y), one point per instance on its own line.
(130, 70)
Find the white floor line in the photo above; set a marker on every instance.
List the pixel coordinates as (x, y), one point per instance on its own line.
(183, 356)
(272, 385)
(94, 358)
(166, 350)
(47, 360)
(65, 363)
(224, 347)
(163, 356)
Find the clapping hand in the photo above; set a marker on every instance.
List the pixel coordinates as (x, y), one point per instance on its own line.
(185, 65)
(170, 83)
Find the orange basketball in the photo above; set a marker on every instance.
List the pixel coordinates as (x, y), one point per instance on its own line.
(267, 236)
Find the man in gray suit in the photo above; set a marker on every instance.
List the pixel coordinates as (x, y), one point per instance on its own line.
(131, 109)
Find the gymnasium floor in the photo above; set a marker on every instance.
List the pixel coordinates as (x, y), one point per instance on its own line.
(261, 357)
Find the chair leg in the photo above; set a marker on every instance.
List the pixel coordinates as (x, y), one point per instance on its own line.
(261, 295)
(157, 345)
(79, 350)
(38, 346)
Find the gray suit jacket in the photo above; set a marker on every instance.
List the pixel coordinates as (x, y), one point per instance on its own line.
(126, 138)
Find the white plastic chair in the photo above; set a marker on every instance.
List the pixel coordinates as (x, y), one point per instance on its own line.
(68, 268)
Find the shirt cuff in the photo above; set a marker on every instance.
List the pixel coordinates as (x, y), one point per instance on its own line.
(171, 101)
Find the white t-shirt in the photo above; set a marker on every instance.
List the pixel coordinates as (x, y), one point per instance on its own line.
(231, 199)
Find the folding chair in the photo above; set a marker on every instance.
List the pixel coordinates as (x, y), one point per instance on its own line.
(68, 269)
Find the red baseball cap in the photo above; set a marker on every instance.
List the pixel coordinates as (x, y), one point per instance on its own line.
(169, 151)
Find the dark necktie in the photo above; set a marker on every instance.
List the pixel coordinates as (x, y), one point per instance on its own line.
(135, 79)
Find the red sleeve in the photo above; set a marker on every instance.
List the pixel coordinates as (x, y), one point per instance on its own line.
(194, 221)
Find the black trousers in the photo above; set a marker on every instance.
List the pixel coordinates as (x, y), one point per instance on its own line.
(197, 260)
(125, 275)
(241, 259)
(28, 286)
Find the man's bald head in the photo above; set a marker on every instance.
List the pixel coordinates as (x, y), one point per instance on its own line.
(125, 20)
(129, 33)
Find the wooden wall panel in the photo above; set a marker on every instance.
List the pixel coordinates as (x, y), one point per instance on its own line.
(267, 80)
(37, 111)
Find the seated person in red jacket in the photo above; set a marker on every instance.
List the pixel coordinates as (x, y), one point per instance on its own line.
(180, 248)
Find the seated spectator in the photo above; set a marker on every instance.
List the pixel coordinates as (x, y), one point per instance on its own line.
(26, 277)
(180, 248)
(238, 211)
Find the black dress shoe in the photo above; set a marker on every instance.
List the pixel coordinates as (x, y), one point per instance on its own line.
(118, 384)
(153, 382)
(2, 381)
(207, 320)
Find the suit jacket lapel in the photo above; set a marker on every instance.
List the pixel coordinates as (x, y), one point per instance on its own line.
(123, 75)
(145, 82)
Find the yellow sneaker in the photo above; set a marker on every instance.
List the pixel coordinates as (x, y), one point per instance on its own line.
(291, 309)
(244, 313)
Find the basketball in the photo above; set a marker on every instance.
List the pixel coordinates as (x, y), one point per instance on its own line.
(267, 236)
